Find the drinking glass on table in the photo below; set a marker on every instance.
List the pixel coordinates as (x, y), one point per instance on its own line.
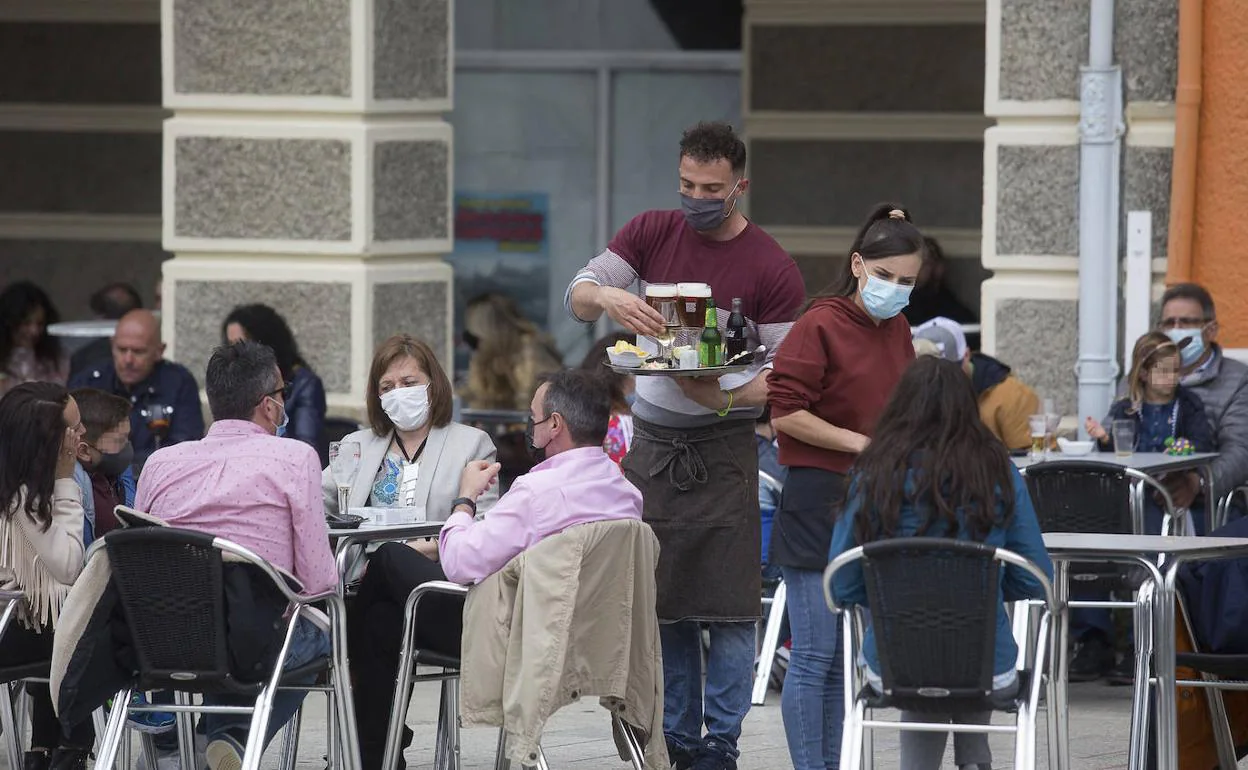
(1038, 424)
(664, 298)
(344, 462)
(1124, 437)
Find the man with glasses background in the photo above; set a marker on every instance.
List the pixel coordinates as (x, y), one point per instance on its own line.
(1187, 312)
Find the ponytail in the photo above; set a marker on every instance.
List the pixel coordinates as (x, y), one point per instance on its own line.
(888, 232)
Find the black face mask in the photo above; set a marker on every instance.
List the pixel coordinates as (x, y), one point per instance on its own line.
(471, 340)
(537, 453)
(115, 464)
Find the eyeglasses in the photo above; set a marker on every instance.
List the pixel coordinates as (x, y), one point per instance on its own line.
(284, 391)
(1183, 323)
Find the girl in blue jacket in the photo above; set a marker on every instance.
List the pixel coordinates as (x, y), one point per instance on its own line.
(959, 483)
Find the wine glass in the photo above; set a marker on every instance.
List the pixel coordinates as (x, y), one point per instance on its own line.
(663, 297)
(344, 463)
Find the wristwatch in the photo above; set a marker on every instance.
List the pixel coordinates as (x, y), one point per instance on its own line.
(468, 501)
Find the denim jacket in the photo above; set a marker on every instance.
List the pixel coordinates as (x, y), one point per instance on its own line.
(1021, 535)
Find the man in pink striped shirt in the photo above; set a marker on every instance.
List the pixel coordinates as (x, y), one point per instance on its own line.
(245, 483)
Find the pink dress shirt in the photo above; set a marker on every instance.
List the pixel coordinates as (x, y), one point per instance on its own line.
(573, 487)
(246, 485)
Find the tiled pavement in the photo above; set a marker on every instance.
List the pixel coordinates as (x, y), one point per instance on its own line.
(579, 736)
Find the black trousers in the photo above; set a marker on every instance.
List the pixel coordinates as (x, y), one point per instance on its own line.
(20, 646)
(374, 631)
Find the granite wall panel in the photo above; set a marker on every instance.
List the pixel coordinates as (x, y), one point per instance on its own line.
(1146, 45)
(1043, 42)
(1039, 340)
(264, 48)
(415, 308)
(1038, 200)
(319, 314)
(410, 182)
(1146, 186)
(283, 189)
(411, 49)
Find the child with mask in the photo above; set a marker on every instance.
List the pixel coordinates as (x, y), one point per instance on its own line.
(832, 377)
(105, 456)
(1161, 409)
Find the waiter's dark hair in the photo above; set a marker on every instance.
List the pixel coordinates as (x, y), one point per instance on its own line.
(582, 399)
(708, 142)
(930, 430)
(888, 232)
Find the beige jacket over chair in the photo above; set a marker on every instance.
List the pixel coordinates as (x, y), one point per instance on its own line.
(573, 615)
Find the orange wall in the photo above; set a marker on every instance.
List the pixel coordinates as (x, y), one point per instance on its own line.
(1220, 245)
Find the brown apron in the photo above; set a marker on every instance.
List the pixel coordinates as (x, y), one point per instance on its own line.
(699, 488)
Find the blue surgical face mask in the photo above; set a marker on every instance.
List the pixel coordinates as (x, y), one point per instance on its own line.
(1192, 351)
(630, 398)
(883, 299)
(281, 427)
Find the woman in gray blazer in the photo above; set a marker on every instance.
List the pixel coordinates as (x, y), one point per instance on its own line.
(409, 414)
(411, 454)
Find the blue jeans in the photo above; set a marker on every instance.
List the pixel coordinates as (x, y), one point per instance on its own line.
(306, 645)
(813, 701)
(729, 677)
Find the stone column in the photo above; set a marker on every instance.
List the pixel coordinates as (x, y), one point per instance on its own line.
(1031, 171)
(307, 166)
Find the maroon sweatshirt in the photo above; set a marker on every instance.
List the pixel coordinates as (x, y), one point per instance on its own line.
(838, 364)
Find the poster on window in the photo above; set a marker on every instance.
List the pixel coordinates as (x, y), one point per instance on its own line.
(501, 246)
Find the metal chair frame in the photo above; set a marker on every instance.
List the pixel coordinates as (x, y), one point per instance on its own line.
(447, 747)
(1140, 484)
(344, 752)
(775, 605)
(856, 747)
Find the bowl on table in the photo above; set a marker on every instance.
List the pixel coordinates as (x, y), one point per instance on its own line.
(1076, 448)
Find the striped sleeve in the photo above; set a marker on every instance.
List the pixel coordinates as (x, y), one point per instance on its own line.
(606, 269)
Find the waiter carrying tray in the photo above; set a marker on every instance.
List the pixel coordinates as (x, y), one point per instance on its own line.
(693, 454)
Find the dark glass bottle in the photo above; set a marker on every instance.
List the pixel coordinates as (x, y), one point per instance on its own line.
(734, 333)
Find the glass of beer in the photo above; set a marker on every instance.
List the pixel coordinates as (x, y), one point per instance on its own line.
(693, 299)
(1039, 428)
(664, 298)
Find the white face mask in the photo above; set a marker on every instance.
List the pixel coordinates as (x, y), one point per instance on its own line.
(407, 408)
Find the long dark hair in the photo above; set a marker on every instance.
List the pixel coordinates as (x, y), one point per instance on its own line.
(888, 232)
(18, 300)
(32, 429)
(593, 362)
(931, 426)
(263, 324)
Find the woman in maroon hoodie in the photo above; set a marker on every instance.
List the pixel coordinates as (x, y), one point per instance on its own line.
(833, 375)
